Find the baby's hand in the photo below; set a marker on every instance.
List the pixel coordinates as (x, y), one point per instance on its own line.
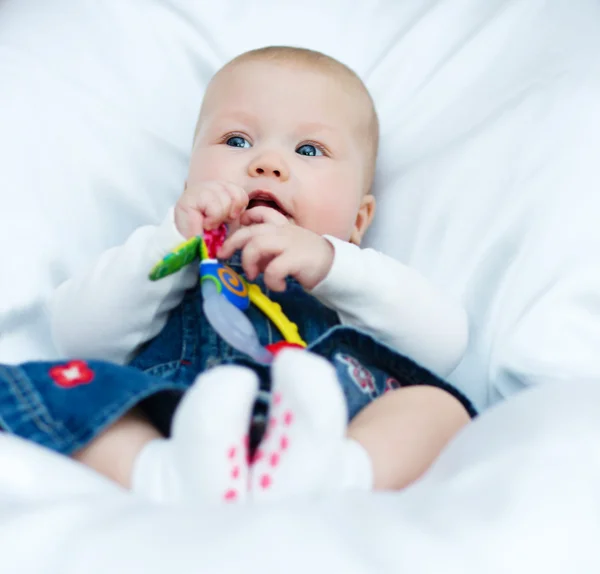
(280, 251)
(207, 205)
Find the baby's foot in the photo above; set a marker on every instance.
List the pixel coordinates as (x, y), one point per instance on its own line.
(304, 449)
(210, 432)
(206, 459)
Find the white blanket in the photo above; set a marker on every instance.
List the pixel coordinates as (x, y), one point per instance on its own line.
(516, 492)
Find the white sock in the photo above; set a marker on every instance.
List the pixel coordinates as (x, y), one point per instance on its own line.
(153, 474)
(206, 457)
(356, 469)
(305, 449)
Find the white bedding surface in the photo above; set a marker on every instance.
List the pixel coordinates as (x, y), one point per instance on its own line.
(516, 492)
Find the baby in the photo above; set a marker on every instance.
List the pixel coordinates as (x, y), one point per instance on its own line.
(284, 154)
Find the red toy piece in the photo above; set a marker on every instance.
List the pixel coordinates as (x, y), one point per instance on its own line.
(281, 345)
(214, 238)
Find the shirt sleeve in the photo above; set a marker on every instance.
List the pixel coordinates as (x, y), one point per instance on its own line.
(395, 304)
(109, 311)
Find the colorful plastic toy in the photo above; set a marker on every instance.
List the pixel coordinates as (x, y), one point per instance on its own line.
(227, 295)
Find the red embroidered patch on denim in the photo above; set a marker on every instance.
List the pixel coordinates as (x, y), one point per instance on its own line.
(361, 376)
(73, 374)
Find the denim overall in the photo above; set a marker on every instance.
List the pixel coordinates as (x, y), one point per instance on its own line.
(65, 405)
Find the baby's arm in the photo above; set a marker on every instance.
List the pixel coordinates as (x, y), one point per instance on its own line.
(113, 308)
(367, 289)
(395, 304)
(403, 432)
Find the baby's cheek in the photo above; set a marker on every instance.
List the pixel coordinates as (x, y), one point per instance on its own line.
(207, 164)
(336, 217)
(201, 171)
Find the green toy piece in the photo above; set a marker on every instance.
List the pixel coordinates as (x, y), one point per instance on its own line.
(182, 255)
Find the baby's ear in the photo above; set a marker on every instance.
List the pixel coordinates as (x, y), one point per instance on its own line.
(365, 214)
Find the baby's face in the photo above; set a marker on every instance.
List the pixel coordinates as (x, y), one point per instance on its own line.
(294, 139)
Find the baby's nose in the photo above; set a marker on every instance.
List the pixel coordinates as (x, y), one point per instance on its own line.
(270, 165)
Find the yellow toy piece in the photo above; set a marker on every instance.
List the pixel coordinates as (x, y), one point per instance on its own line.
(272, 311)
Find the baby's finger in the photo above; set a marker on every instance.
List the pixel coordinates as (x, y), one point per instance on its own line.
(215, 207)
(239, 199)
(189, 221)
(258, 252)
(241, 237)
(262, 214)
(279, 269)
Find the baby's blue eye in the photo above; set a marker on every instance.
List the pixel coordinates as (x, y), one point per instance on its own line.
(238, 141)
(309, 150)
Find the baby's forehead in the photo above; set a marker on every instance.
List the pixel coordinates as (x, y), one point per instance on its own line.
(306, 89)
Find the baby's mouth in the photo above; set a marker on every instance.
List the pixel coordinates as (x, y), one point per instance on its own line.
(264, 200)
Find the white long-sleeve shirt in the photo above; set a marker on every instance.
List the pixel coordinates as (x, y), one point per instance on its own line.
(113, 308)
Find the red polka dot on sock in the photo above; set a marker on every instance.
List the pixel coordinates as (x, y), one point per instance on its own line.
(276, 398)
(274, 459)
(288, 418)
(235, 472)
(230, 494)
(231, 452)
(265, 481)
(284, 443)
